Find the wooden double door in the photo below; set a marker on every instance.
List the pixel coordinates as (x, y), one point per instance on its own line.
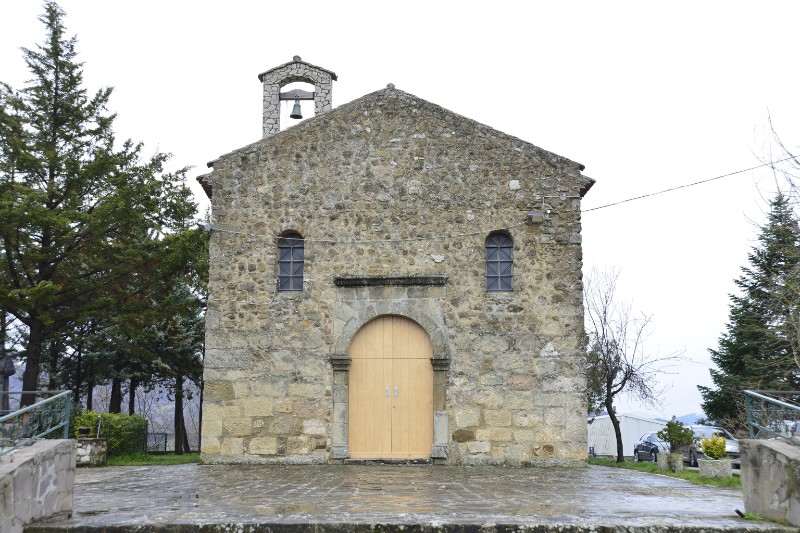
(391, 391)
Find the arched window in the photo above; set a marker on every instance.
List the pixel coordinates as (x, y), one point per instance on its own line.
(499, 262)
(290, 262)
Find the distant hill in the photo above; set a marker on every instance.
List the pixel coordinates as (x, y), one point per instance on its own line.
(690, 419)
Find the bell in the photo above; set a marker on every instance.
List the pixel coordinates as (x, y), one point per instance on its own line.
(296, 110)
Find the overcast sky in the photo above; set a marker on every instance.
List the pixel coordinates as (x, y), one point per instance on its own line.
(647, 95)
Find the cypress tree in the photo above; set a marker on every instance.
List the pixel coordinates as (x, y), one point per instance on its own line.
(758, 350)
(80, 214)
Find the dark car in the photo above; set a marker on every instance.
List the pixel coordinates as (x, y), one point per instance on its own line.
(648, 447)
(695, 451)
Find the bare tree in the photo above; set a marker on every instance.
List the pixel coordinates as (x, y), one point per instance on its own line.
(616, 360)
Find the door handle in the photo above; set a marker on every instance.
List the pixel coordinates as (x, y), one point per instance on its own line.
(387, 391)
(395, 392)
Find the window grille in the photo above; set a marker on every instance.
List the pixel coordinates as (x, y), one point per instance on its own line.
(290, 262)
(499, 262)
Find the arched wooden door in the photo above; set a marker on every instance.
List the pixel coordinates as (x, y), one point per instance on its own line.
(391, 391)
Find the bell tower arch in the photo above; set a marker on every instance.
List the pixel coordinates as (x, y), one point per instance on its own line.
(296, 70)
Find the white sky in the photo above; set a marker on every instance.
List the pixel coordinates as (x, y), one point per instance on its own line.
(647, 95)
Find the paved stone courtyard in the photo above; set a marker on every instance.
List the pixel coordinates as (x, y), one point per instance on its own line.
(413, 498)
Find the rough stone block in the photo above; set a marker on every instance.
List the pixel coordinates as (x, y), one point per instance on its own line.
(237, 427)
(494, 434)
(467, 417)
(302, 445)
(260, 407)
(518, 453)
(497, 417)
(212, 427)
(479, 447)
(232, 446)
(314, 428)
(210, 445)
(524, 435)
(489, 398)
(526, 419)
(263, 446)
(241, 389)
(519, 400)
(283, 406)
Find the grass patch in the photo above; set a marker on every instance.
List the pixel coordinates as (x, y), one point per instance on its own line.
(692, 476)
(149, 459)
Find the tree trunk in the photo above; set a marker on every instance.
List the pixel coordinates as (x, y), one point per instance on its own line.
(115, 403)
(33, 352)
(132, 396)
(179, 425)
(617, 431)
(89, 394)
(186, 447)
(52, 365)
(76, 389)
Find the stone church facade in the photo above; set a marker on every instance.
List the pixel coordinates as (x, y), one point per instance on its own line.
(390, 280)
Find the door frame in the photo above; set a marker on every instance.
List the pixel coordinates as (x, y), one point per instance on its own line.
(340, 363)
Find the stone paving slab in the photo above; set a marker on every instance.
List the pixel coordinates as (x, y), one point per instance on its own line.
(324, 498)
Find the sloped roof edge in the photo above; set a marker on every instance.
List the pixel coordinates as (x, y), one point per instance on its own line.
(344, 107)
(298, 60)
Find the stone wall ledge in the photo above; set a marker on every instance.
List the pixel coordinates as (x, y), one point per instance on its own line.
(36, 483)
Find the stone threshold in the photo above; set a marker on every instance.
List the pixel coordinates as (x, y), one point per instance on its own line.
(381, 462)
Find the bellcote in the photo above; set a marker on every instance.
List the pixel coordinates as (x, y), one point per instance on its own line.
(296, 70)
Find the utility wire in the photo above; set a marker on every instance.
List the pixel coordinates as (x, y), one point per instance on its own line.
(769, 163)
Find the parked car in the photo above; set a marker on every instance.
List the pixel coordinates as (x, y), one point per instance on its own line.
(695, 451)
(648, 447)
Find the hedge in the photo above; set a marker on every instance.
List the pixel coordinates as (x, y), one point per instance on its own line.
(125, 433)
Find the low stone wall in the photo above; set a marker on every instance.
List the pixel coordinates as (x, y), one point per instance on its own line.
(36, 482)
(92, 452)
(715, 468)
(771, 479)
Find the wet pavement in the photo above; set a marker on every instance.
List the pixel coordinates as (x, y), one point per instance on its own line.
(386, 498)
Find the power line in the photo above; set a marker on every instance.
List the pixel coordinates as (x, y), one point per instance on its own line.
(370, 241)
(769, 163)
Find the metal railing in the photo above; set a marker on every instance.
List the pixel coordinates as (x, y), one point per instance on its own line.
(25, 425)
(769, 418)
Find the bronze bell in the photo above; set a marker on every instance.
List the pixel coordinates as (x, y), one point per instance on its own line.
(296, 114)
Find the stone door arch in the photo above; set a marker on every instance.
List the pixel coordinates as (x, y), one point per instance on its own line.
(390, 390)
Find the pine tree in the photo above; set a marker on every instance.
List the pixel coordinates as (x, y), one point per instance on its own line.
(80, 217)
(759, 349)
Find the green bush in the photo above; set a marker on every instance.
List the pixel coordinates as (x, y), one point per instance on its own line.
(676, 434)
(126, 434)
(714, 447)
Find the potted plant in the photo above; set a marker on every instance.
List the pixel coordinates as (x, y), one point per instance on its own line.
(677, 436)
(715, 465)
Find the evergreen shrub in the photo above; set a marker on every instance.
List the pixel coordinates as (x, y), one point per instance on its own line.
(714, 448)
(126, 434)
(676, 434)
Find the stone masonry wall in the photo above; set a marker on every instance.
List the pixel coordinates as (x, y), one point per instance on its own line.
(770, 473)
(392, 185)
(36, 483)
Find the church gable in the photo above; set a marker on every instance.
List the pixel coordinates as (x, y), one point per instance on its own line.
(378, 147)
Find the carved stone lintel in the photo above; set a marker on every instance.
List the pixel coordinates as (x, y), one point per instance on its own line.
(437, 280)
(440, 363)
(340, 362)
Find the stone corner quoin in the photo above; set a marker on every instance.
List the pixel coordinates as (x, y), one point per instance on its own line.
(394, 199)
